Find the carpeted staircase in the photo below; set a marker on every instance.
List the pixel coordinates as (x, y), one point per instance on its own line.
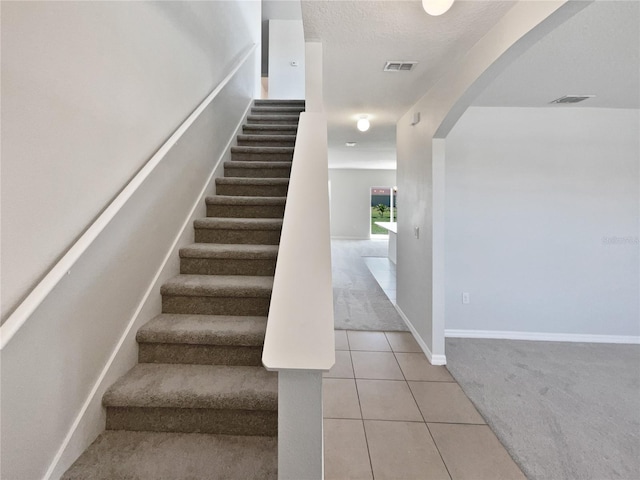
(199, 404)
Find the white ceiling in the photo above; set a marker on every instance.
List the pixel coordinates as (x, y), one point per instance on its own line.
(358, 38)
(596, 52)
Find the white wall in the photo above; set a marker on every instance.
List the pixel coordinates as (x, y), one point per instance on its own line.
(286, 45)
(90, 91)
(534, 201)
(420, 298)
(351, 199)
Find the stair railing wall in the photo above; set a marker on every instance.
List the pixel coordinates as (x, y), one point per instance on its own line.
(74, 334)
(299, 342)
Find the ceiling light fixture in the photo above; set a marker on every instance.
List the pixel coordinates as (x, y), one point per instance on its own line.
(436, 7)
(350, 144)
(363, 123)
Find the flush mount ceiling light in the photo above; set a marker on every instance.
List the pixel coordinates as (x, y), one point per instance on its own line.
(436, 7)
(350, 144)
(363, 123)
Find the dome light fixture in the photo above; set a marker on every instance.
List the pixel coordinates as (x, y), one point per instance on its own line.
(436, 7)
(363, 123)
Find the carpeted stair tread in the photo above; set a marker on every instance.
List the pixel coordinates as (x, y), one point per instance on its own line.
(235, 251)
(257, 164)
(250, 139)
(257, 129)
(279, 119)
(277, 109)
(204, 330)
(269, 129)
(251, 181)
(238, 223)
(170, 456)
(218, 286)
(261, 149)
(153, 385)
(238, 200)
(276, 101)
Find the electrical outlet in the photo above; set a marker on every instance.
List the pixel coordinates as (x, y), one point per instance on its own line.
(465, 298)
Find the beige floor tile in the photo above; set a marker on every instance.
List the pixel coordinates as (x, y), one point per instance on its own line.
(415, 366)
(403, 450)
(341, 340)
(376, 365)
(387, 400)
(340, 398)
(473, 452)
(342, 368)
(370, 341)
(403, 342)
(444, 402)
(345, 450)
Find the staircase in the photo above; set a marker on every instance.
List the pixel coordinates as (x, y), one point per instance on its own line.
(199, 404)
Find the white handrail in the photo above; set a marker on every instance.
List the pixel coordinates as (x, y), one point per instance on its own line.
(21, 314)
(300, 326)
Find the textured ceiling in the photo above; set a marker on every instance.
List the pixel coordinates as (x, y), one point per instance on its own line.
(595, 52)
(358, 38)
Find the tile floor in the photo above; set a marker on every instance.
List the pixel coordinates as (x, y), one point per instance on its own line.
(390, 414)
(384, 271)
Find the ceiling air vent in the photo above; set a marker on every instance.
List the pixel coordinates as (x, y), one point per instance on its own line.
(399, 66)
(572, 98)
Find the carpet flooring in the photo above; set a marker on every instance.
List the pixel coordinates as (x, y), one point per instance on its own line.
(563, 410)
(359, 302)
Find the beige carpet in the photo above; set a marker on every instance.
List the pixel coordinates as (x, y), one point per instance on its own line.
(359, 302)
(563, 410)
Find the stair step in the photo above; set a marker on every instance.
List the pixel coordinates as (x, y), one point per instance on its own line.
(245, 207)
(257, 169)
(277, 109)
(270, 129)
(252, 187)
(217, 295)
(255, 231)
(262, 154)
(202, 339)
(265, 102)
(280, 119)
(221, 259)
(267, 140)
(171, 456)
(221, 399)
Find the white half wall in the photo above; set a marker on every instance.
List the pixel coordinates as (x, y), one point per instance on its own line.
(90, 91)
(286, 59)
(541, 221)
(351, 199)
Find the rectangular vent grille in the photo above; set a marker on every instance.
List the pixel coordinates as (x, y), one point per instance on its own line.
(399, 66)
(572, 98)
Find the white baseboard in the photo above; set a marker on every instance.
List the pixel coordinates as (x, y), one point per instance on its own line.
(76, 437)
(542, 337)
(433, 359)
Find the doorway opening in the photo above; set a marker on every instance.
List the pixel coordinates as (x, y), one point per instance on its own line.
(383, 209)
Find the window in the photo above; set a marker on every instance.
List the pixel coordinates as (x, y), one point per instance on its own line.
(383, 208)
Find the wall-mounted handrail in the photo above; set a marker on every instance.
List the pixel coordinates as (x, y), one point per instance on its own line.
(40, 292)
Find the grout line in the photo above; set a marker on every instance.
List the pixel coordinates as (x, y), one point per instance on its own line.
(430, 434)
(364, 430)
